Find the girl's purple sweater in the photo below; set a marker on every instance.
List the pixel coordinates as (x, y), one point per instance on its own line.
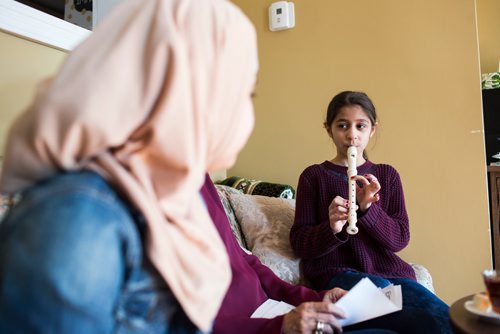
(383, 228)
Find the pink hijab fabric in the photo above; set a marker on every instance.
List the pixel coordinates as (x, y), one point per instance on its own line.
(159, 94)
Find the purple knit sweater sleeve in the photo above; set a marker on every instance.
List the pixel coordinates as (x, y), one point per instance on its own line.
(311, 235)
(389, 225)
(383, 228)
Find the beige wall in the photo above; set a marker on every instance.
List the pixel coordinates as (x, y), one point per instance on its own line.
(489, 34)
(22, 65)
(418, 60)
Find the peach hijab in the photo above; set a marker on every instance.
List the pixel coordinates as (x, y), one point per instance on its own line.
(159, 94)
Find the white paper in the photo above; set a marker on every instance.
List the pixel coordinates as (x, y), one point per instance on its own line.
(393, 292)
(272, 308)
(365, 301)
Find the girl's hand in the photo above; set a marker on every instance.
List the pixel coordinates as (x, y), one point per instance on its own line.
(337, 212)
(368, 192)
(303, 318)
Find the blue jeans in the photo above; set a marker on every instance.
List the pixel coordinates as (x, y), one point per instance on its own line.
(72, 261)
(416, 298)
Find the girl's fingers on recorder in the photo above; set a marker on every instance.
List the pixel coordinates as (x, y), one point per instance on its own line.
(334, 215)
(335, 211)
(370, 181)
(338, 202)
(361, 179)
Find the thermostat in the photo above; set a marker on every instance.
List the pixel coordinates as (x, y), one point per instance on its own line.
(281, 16)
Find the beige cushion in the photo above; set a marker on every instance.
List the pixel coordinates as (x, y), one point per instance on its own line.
(266, 223)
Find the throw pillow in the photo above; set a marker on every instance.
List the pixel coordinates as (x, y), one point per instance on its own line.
(223, 192)
(266, 223)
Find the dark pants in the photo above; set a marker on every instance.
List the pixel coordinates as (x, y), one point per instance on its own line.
(423, 311)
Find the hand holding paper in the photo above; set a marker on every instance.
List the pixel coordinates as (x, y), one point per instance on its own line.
(365, 301)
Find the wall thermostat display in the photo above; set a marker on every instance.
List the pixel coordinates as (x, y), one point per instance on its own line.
(281, 16)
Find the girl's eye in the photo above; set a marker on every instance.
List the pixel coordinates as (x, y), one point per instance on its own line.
(361, 126)
(342, 125)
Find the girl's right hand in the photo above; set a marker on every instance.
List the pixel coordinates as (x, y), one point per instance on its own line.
(337, 213)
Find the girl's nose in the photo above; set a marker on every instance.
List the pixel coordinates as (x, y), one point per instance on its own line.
(352, 133)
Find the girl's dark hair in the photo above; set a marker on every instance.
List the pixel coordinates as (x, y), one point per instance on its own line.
(348, 98)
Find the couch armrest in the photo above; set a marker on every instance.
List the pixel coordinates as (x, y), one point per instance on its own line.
(423, 276)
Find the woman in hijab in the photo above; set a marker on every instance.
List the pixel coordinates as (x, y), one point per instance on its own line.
(111, 233)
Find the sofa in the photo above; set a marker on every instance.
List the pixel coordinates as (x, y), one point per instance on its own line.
(261, 225)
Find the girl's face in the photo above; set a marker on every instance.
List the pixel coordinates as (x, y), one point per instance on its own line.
(351, 127)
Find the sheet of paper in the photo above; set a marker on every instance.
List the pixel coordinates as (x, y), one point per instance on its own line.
(365, 301)
(272, 308)
(394, 294)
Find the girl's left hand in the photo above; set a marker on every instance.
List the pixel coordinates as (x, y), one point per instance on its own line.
(368, 192)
